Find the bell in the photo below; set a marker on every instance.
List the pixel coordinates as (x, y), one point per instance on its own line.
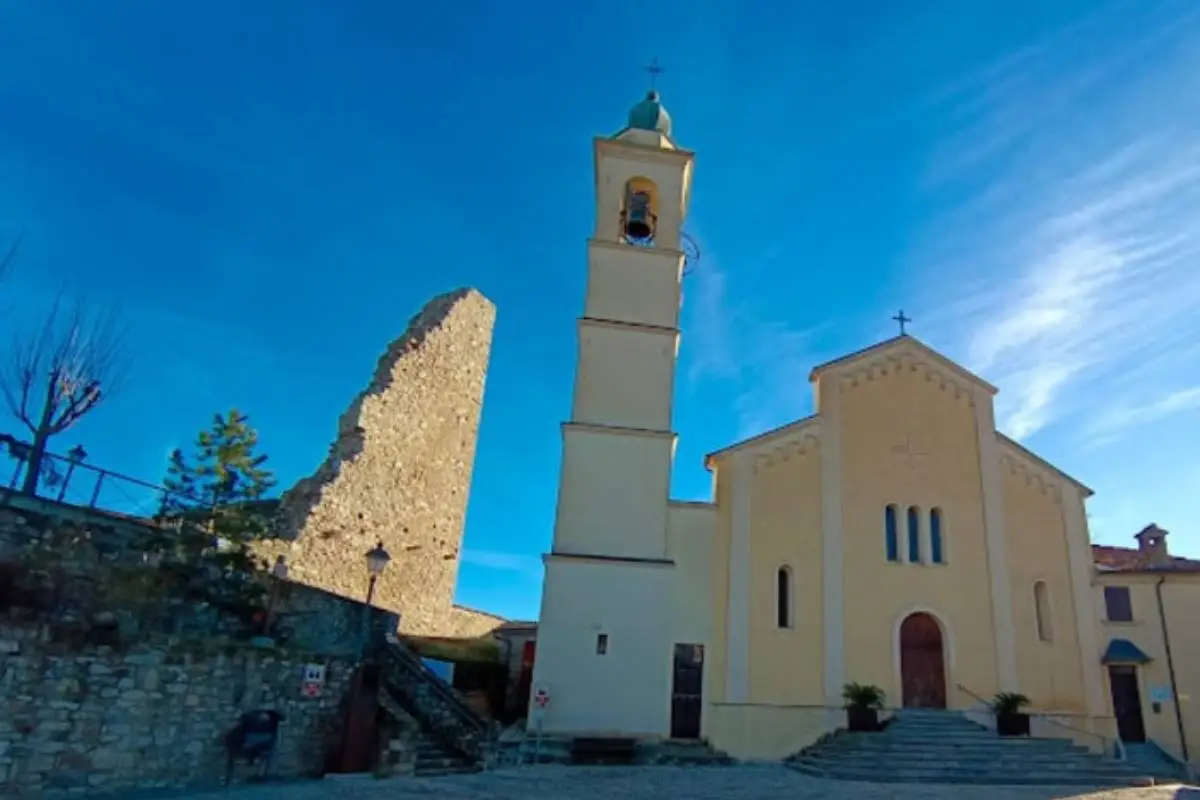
(639, 220)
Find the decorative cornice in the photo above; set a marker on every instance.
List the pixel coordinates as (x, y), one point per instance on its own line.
(592, 427)
(775, 436)
(632, 151)
(633, 327)
(783, 451)
(1036, 471)
(884, 364)
(662, 253)
(1034, 476)
(903, 345)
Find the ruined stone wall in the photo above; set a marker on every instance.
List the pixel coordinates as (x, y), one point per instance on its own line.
(399, 471)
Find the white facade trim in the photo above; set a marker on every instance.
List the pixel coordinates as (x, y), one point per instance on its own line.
(1079, 559)
(833, 601)
(997, 550)
(737, 615)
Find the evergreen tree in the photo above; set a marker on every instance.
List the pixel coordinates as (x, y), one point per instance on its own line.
(214, 500)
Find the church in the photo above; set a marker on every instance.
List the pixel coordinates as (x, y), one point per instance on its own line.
(893, 538)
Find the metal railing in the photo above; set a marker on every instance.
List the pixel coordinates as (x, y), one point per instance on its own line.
(70, 480)
(1051, 719)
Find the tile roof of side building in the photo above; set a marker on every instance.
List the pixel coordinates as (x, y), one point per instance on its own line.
(1109, 558)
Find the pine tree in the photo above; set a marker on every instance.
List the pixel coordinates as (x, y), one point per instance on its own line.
(214, 499)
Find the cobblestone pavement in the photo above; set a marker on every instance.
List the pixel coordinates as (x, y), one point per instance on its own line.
(660, 783)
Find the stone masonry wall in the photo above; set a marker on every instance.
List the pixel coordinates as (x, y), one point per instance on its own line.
(153, 716)
(399, 471)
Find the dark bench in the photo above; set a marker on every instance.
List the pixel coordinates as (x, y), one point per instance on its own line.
(602, 750)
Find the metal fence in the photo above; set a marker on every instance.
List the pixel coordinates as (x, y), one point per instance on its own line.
(71, 480)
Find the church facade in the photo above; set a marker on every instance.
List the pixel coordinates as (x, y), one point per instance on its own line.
(893, 538)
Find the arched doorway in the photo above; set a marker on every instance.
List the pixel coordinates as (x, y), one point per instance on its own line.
(922, 662)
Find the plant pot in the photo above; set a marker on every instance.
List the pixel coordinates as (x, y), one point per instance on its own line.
(1012, 723)
(862, 720)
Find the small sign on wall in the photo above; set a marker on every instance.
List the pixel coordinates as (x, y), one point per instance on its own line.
(314, 680)
(1160, 694)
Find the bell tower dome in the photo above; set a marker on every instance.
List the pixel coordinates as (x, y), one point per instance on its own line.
(604, 635)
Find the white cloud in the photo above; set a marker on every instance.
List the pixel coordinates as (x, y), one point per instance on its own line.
(503, 562)
(1078, 261)
(766, 363)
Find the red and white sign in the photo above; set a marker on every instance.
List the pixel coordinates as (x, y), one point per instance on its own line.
(541, 697)
(311, 689)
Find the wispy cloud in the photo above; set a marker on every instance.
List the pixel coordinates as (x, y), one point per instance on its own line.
(764, 362)
(1121, 417)
(523, 563)
(1078, 260)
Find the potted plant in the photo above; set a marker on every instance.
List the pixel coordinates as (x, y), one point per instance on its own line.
(1010, 719)
(863, 702)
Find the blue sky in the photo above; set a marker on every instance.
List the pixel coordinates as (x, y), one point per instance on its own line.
(272, 189)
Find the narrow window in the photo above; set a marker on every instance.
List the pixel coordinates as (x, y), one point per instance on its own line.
(1041, 608)
(890, 535)
(1117, 605)
(914, 535)
(783, 598)
(601, 644)
(935, 537)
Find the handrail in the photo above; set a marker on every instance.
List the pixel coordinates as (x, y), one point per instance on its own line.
(1118, 745)
(1048, 718)
(965, 690)
(413, 664)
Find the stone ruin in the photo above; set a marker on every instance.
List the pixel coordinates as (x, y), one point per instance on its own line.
(400, 472)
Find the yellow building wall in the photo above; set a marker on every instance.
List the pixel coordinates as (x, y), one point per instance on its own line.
(715, 667)
(881, 409)
(1048, 673)
(785, 531)
(1181, 601)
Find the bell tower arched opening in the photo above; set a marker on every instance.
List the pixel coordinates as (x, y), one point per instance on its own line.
(639, 212)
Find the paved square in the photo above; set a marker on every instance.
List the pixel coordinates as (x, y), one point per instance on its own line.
(661, 783)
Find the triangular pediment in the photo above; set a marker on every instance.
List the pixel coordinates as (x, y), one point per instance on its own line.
(903, 347)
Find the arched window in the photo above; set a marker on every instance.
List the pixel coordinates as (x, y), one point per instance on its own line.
(783, 597)
(891, 536)
(936, 555)
(1041, 610)
(914, 535)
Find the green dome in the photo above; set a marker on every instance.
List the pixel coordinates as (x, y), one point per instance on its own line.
(649, 115)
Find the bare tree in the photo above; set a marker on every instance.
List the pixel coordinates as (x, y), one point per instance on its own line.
(58, 372)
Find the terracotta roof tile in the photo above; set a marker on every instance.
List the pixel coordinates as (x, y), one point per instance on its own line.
(1130, 559)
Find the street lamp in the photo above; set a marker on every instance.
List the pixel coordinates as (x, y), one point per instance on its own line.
(377, 561)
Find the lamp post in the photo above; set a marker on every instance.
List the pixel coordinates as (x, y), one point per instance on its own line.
(377, 561)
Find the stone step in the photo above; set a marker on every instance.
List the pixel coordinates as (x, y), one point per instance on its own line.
(1107, 771)
(972, 777)
(421, 771)
(1007, 759)
(1027, 747)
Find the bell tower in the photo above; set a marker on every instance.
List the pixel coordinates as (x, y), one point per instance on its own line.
(604, 644)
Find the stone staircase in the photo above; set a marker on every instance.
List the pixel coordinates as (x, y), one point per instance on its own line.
(434, 759)
(924, 746)
(1149, 758)
(454, 737)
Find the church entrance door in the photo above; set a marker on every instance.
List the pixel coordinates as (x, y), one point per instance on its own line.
(687, 692)
(922, 662)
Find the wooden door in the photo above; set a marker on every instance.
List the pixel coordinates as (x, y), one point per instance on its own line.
(1127, 703)
(359, 736)
(922, 662)
(687, 691)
